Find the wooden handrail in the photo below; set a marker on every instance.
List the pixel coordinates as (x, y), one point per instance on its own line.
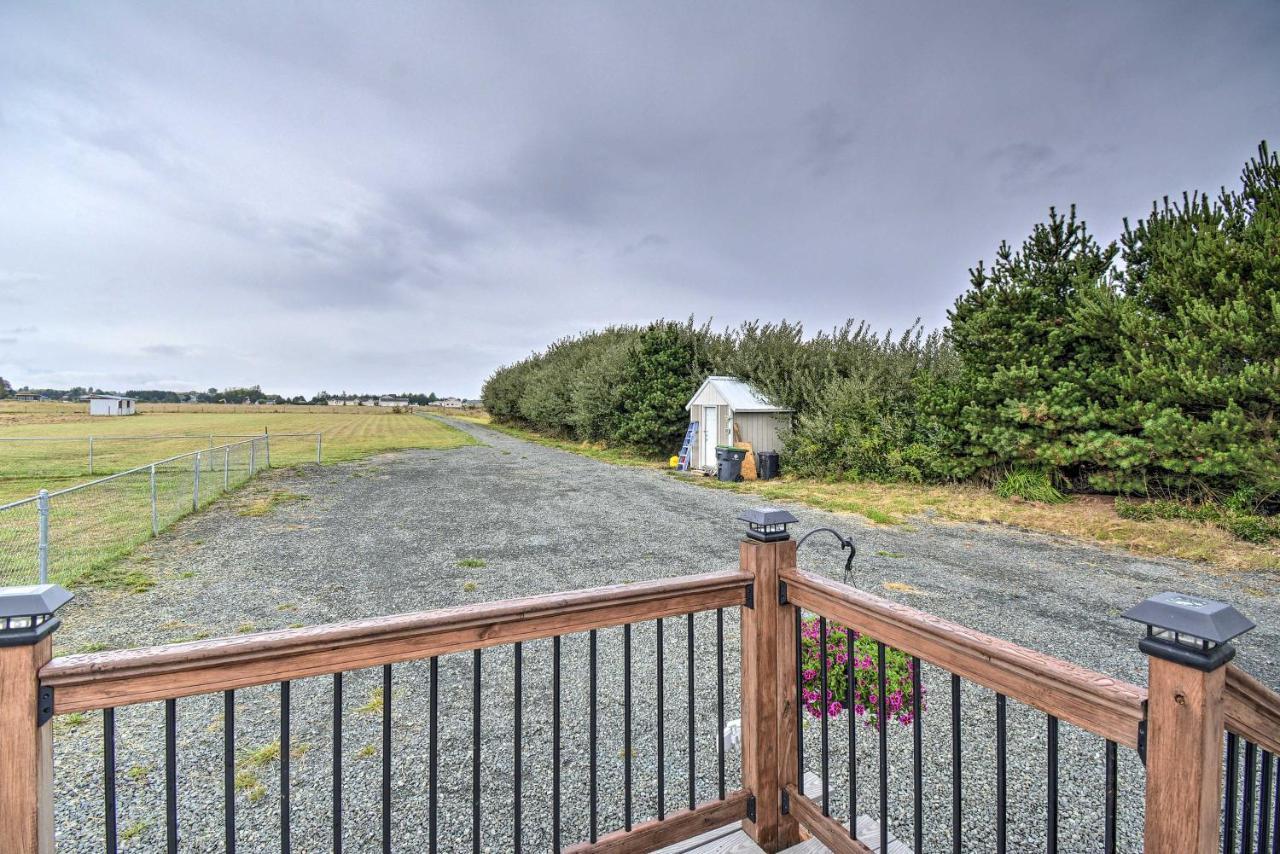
(1252, 710)
(1096, 702)
(119, 678)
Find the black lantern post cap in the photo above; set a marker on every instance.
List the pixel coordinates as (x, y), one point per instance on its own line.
(26, 613)
(767, 524)
(1191, 630)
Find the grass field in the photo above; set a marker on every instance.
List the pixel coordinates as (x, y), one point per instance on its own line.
(347, 433)
(89, 529)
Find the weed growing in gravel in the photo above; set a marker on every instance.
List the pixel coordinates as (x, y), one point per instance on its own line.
(117, 576)
(261, 505)
(246, 629)
(366, 751)
(469, 587)
(1031, 484)
(300, 749)
(134, 830)
(96, 646)
(472, 563)
(137, 772)
(71, 721)
(889, 554)
(375, 703)
(286, 607)
(263, 756)
(248, 782)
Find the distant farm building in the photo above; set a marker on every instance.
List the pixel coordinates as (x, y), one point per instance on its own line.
(728, 410)
(450, 403)
(26, 396)
(110, 404)
(393, 401)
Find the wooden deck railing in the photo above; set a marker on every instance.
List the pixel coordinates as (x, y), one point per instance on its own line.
(1180, 724)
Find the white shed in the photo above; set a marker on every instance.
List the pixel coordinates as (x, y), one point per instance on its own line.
(722, 403)
(110, 404)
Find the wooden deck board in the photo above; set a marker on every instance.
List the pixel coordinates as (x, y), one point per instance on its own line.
(734, 840)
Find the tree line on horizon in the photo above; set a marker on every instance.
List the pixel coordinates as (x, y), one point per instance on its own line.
(249, 394)
(1145, 367)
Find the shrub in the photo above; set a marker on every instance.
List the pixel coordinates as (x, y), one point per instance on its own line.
(863, 658)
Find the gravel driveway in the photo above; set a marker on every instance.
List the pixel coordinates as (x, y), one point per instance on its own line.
(425, 529)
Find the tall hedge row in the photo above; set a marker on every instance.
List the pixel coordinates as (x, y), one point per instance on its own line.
(1149, 366)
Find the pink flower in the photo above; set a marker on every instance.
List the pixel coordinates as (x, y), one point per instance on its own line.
(810, 675)
(834, 709)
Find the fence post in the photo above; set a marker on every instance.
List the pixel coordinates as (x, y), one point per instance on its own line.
(26, 736)
(253, 453)
(226, 468)
(1187, 651)
(42, 511)
(319, 440)
(267, 443)
(90, 455)
(768, 693)
(195, 491)
(155, 514)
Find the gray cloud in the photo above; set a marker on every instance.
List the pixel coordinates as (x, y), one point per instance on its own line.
(404, 198)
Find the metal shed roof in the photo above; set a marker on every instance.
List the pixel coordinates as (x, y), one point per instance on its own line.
(740, 395)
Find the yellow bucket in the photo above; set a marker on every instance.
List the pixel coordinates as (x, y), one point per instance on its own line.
(674, 462)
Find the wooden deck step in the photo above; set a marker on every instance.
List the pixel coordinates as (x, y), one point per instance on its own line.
(734, 840)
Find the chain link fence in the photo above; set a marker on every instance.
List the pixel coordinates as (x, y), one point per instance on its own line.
(62, 535)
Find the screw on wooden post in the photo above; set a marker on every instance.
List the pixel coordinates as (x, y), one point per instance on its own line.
(1187, 648)
(26, 736)
(768, 692)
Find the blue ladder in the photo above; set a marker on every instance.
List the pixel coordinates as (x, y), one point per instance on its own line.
(686, 449)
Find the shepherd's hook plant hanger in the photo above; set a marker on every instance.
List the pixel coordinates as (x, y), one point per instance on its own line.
(845, 543)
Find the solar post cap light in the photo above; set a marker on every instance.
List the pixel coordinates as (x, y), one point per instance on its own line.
(26, 613)
(1190, 630)
(767, 524)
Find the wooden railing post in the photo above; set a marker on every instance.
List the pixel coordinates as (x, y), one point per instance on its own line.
(26, 738)
(1188, 650)
(768, 695)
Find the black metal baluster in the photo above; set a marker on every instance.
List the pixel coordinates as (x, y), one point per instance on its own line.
(662, 741)
(823, 702)
(917, 749)
(517, 748)
(626, 726)
(693, 794)
(1246, 813)
(109, 776)
(1052, 792)
(386, 759)
(1275, 816)
(1229, 796)
(851, 695)
(883, 724)
(1264, 800)
(337, 763)
(475, 752)
(957, 840)
(592, 735)
(1109, 819)
(799, 704)
(229, 770)
(1002, 795)
(720, 701)
(433, 800)
(171, 775)
(285, 757)
(555, 743)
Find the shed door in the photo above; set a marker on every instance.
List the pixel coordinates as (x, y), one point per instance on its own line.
(710, 435)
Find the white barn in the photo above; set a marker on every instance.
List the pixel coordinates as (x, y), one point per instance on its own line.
(110, 404)
(722, 403)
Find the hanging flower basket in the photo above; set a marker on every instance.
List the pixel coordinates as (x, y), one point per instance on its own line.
(848, 649)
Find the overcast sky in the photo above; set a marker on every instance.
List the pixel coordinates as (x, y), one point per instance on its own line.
(402, 196)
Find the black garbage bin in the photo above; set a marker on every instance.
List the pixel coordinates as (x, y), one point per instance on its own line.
(767, 465)
(729, 463)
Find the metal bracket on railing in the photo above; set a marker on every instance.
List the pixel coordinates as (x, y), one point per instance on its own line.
(44, 705)
(782, 593)
(845, 543)
(786, 802)
(1142, 742)
(751, 807)
(751, 595)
